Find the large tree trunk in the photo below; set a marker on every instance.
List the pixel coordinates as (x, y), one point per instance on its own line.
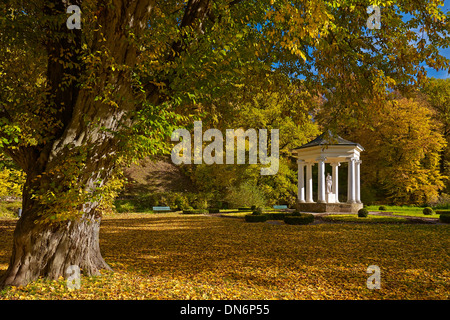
(48, 250)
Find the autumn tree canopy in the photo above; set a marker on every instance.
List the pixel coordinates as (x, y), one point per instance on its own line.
(76, 104)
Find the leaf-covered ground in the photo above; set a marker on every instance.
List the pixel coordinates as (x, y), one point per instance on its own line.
(170, 256)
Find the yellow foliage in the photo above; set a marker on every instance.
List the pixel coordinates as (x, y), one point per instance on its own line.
(403, 145)
(11, 183)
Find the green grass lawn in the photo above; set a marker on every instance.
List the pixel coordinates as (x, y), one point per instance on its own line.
(404, 211)
(369, 219)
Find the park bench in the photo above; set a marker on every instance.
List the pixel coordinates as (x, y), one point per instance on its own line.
(161, 209)
(283, 206)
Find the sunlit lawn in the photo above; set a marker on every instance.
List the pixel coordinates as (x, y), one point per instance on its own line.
(371, 218)
(404, 211)
(173, 256)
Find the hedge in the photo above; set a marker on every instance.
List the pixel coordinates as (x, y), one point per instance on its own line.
(255, 218)
(302, 218)
(276, 216)
(195, 211)
(362, 213)
(445, 218)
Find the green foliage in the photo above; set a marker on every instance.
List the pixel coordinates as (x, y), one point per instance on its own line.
(246, 195)
(302, 218)
(382, 208)
(144, 202)
(180, 202)
(428, 211)
(124, 206)
(363, 213)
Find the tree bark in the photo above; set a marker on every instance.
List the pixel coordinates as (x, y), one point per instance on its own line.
(48, 250)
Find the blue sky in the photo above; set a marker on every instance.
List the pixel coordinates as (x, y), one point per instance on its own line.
(442, 74)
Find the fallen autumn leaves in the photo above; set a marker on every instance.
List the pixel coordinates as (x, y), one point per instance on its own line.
(170, 256)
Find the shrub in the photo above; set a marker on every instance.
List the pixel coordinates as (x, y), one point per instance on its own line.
(124, 206)
(214, 210)
(302, 218)
(200, 202)
(246, 195)
(253, 207)
(255, 217)
(269, 216)
(362, 213)
(180, 202)
(443, 202)
(259, 210)
(276, 216)
(382, 208)
(428, 211)
(445, 218)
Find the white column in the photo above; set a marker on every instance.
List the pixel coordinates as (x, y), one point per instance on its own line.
(335, 186)
(358, 181)
(301, 181)
(351, 181)
(321, 180)
(309, 183)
